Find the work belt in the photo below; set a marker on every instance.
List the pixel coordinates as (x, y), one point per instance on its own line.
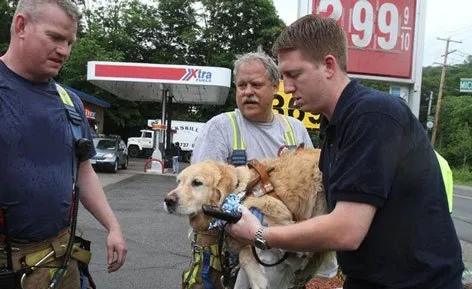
(26, 255)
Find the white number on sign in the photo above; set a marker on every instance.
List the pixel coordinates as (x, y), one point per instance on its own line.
(406, 16)
(366, 26)
(405, 41)
(365, 17)
(335, 4)
(391, 28)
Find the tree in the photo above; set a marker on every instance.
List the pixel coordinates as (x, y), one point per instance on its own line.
(7, 9)
(455, 133)
(230, 28)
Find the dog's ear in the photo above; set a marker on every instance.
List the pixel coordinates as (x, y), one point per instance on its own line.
(224, 181)
(242, 174)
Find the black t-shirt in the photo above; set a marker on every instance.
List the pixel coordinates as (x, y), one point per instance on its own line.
(376, 152)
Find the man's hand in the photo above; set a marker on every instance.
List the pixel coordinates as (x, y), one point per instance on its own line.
(245, 229)
(117, 249)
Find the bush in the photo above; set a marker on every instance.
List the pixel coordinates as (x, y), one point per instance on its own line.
(462, 176)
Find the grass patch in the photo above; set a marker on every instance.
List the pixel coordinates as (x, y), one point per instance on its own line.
(462, 177)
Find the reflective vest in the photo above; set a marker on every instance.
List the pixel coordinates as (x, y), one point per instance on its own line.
(447, 178)
(238, 156)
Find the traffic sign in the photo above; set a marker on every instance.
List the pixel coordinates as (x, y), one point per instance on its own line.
(430, 122)
(465, 85)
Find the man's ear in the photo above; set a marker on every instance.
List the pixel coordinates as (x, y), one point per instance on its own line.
(330, 65)
(276, 87)
(19, 25)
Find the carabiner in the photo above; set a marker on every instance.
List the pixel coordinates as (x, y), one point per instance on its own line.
(34, 267)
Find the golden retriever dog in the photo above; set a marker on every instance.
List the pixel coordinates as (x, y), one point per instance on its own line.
(293, 192)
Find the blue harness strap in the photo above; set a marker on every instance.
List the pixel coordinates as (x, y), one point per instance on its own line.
(206, 270)
(75, 122)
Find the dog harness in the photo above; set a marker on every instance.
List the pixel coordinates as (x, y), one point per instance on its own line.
(205, 260)
(238, 156)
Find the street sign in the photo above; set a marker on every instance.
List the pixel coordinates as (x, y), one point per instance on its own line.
(430, 122)
(465, 85)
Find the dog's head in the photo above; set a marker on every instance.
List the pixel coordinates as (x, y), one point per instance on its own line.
(205, 183)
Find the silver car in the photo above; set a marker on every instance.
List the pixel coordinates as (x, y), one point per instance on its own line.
(111, 154)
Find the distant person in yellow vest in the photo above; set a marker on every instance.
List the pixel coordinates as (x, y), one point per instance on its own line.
(447, 178)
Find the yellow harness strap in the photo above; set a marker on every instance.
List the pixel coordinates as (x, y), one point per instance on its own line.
(288, 133)
(192, 275)
(238, 142)
(78, 253)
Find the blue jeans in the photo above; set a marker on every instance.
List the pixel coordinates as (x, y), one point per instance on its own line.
(175, 164)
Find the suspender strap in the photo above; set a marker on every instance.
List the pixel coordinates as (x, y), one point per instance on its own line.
(288, 131)
(238, 156)
(75, 122)
(238, 142)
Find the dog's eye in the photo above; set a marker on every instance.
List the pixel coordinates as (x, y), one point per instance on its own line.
(196, 183)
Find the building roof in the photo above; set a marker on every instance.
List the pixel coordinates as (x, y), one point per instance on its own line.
(89, 98)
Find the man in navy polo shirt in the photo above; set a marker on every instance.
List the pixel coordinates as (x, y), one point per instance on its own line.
(389, 219)
(37, 168)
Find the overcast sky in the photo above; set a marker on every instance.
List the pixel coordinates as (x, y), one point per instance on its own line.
(451, 18)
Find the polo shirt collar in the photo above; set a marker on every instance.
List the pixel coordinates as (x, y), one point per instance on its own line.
(345, 97)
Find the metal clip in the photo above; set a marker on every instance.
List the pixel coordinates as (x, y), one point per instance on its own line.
(258, 193)
(34, 267)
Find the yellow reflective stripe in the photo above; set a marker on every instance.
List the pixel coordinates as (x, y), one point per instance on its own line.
(64, 95)
(289, 135)
(215, 257)
(446, 173)
(190, 276)
(238, 143)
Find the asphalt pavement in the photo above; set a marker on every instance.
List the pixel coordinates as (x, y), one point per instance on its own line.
(158, 246)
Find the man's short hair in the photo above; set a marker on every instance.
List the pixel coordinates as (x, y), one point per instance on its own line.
(271, 68)
(32, 7)
(315, 36)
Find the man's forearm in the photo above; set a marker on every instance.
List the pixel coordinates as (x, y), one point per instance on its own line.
(93, 197)
(344, 229)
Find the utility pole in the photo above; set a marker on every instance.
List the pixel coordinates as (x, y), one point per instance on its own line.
(441, 85)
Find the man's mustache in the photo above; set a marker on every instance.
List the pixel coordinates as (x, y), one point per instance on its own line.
(250, 99)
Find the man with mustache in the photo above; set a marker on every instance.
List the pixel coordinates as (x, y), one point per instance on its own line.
(389, 219)
(39, 122)
(263, 133)
(257, 80)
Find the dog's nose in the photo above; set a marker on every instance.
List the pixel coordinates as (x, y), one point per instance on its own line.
(171, 202)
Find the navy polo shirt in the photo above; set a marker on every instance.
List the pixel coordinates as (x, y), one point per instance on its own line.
(376, 152)
(35, 156)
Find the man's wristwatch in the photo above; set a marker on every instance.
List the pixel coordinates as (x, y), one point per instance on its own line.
(259, 240)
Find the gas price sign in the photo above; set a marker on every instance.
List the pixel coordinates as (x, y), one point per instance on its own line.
(380, 34)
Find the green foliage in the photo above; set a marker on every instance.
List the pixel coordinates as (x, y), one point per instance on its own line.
(454, 132)
(7, 9)
(462, 177)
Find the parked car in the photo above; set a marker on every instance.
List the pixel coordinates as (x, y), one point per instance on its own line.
(111, 153)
